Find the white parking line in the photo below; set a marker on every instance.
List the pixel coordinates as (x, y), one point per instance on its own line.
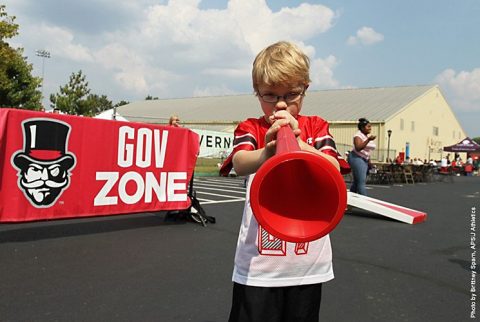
(223, 190)
(223, 201)
(223, 180)
(205, 200)
(227, 188)
(216, 194)
(216, 184)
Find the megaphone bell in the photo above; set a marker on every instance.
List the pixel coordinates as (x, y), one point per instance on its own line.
(296, 195)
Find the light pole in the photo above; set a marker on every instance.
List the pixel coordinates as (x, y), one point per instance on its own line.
(389, 132)
(44, 54)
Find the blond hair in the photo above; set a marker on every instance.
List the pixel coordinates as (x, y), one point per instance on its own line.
(280, 63)
(174, 120)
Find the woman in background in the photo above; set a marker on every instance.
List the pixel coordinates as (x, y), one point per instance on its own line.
(359, 158)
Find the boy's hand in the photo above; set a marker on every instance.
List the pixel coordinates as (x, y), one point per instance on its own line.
(271, 137)
(283, 119)
(283, 114)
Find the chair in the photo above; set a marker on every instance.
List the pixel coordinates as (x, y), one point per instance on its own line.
(408, 174)
(428, 172)
(386, 174)
(374, 176)
(397, 171)
(418, 173)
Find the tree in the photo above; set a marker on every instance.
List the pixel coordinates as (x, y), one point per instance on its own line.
(150, 98)
(477, 139)
(75, 98)
(18, 88)
(122, 102)
(72, 96)
(98, 104)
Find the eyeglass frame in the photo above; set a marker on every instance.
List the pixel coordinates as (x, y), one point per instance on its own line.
(284, 97)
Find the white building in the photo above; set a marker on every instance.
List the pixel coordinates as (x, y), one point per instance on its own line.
(419, 117)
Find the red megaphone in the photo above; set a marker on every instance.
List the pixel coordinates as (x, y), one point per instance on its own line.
(296, 195)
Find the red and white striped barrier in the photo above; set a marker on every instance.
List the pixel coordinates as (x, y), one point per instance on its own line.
(403, 214)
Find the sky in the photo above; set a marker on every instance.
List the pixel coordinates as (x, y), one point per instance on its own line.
(184, 48)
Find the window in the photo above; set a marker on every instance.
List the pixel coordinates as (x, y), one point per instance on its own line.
(413, 126)
(401, 124)
(435, 130)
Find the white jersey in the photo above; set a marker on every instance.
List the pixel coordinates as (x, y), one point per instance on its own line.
(263, 260)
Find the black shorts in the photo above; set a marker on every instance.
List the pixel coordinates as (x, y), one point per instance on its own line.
(276, 304)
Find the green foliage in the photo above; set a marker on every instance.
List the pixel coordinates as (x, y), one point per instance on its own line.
(477, 139)
(18, 88)
(122, 102)
(8, 27)
(150, 98)
(72, 96)
(98, 103)
(75, 98)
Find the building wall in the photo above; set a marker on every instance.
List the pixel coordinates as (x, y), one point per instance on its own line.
(427, 124)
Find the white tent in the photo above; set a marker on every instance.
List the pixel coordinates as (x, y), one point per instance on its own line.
(108, 115)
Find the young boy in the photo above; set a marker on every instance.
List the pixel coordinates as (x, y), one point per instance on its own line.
(276, 280)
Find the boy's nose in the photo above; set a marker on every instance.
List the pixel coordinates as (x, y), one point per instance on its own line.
(281, 105)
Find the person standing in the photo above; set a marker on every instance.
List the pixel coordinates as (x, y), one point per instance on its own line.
(174, 121)
(275, 280)
(359, 158)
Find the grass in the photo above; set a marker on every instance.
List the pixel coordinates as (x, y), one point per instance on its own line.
(207, 166)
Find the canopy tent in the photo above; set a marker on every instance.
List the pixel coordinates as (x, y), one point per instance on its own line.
(108, 115)
(466, 145)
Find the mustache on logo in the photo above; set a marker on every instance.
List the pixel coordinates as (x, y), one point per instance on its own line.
(40, 183)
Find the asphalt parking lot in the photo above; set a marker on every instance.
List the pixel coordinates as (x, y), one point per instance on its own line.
(140, 267)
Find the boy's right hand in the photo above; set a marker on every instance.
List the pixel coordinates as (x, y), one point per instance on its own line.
(271, 135)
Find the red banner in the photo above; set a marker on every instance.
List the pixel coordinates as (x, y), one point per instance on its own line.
(57, 166)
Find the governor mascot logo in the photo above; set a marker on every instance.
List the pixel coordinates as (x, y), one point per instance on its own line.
(44, 166)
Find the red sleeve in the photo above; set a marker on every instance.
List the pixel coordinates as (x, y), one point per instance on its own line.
(323, 141)
(244, 139)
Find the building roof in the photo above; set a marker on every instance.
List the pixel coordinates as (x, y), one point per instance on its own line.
(378, 104)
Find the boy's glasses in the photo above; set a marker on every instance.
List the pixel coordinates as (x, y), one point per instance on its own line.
(288, 98)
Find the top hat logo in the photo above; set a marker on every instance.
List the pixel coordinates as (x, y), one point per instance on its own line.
(45, 141)
(44, 163)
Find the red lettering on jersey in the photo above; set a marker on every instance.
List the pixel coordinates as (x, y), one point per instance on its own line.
(270, 245)
(301, 248)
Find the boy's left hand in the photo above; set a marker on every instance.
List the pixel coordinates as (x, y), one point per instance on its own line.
(284, 118)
